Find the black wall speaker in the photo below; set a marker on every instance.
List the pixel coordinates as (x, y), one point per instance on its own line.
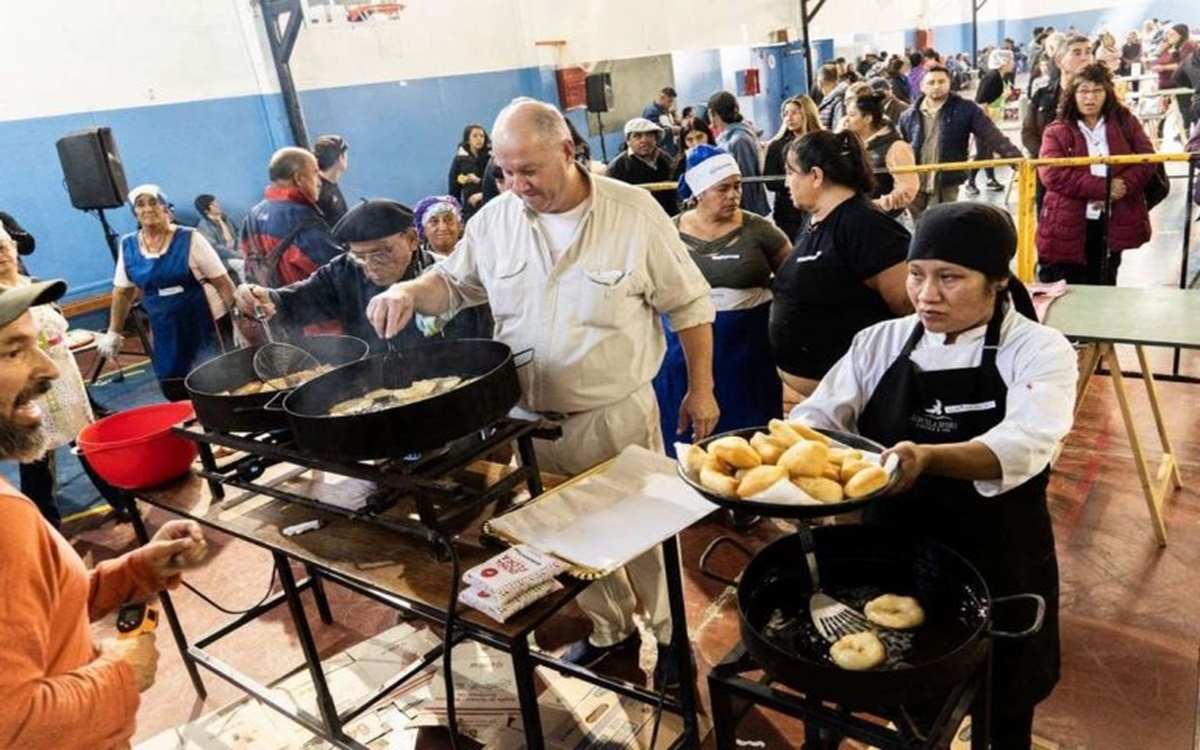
(92, 167)
(599, 92)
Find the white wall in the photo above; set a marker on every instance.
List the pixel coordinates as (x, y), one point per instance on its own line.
(447, 37)
(86, 55)
(865, 16)
(64, 56)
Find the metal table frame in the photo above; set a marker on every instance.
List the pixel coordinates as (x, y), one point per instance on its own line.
(330, 724)
(427, 479)
(733, 695)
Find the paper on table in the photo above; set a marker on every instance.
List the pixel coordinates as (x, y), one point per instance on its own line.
(612, 516)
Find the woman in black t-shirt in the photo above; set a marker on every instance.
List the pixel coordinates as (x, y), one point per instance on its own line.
(847, 269)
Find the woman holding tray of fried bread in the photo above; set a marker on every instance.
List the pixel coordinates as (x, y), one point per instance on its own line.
(972, 395)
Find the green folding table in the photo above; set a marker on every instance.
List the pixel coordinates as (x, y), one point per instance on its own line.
(1101, 317)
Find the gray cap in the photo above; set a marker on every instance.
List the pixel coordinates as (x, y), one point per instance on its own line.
(641, 125)
(15, 301)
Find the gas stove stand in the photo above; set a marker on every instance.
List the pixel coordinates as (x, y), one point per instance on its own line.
(733, 694)
(422, 495)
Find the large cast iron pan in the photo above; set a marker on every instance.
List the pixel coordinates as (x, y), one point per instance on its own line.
(780, 510)
(207, 383)
(399, 430)
(858, 563)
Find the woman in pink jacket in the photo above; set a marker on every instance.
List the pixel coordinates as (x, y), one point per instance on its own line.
(1080, 219)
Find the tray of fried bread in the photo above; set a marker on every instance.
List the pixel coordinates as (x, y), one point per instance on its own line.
(787, 470)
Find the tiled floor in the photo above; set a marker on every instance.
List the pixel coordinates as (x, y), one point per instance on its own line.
(1129, 607)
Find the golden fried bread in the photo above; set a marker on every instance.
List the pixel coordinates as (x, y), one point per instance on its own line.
(866, 481)
(769, 449)
(806, 458)
(735, 451)
(759, 479)
(820, 488)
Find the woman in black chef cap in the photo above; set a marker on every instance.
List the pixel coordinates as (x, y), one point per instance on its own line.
(972, 395)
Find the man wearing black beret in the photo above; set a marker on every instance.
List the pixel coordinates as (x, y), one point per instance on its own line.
(382, 249)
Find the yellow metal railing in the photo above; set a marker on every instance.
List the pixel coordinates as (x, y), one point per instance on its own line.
(1026, 176)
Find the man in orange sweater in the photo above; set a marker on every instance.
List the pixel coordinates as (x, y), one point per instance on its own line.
(57, 688)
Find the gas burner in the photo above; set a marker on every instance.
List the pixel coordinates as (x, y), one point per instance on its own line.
(425, 495)
(738, 683)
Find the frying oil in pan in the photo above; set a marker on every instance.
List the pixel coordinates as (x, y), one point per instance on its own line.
(783, 619)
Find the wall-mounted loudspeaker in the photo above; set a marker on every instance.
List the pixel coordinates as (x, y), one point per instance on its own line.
(599, 92)
(92, 168)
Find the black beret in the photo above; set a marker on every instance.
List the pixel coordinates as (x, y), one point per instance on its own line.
(974, 235)
(373, 220)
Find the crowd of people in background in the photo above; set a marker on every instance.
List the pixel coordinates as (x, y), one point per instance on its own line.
(828, 190)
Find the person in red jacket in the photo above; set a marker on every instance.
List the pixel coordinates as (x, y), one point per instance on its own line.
(60, 689)
(1082, 229)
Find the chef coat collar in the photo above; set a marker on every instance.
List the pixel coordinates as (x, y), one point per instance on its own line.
(965, 337)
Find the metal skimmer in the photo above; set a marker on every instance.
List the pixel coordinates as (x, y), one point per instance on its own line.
(276, 359)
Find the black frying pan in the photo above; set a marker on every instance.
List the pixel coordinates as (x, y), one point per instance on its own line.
(403, 429)
(208, 384)
(858, 563)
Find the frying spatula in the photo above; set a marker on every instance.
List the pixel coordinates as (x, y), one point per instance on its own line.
(832, 618)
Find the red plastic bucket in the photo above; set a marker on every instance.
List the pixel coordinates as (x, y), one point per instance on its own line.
(136, 448)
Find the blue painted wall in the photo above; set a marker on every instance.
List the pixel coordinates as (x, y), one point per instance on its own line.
(697, 75)
(403, 136)
(218, 147)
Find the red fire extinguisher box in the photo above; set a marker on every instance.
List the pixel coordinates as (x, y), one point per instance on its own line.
(748, 82)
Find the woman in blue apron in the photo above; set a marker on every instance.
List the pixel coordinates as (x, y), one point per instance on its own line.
(738, 252)
(973, 397)
(171, 266)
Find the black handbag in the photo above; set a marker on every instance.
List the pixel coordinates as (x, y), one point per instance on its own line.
(1158, 188)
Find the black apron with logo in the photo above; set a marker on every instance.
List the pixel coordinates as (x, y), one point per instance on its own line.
(1008, 538)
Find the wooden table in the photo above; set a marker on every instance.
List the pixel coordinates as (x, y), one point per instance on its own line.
(395, 569)
(1103, 316)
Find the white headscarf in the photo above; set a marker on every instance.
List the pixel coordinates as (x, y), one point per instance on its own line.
(147, 189)
(998, 58)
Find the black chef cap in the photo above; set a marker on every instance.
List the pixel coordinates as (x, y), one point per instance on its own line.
(373, 220)
(974, 235)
